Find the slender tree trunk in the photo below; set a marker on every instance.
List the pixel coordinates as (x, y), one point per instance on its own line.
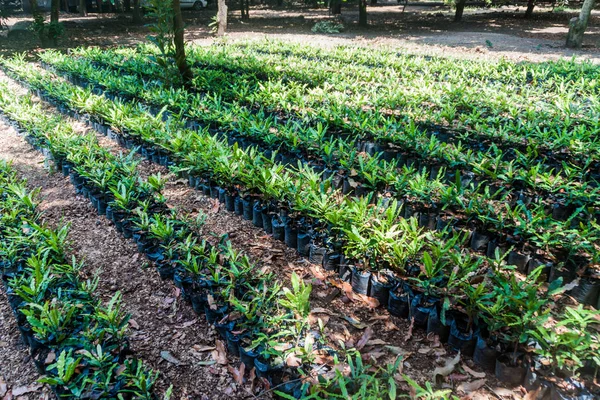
(460, 7)
(578, 25)
(362, 13)
(336, 7)
(373, 2)
(530, 6)
(34, 7)
(180, 59)
(247, 3)
(83, 8)
(127, 4)
(137, 13)
(221, 17)
(65, 6)
(99, 5)
(55, 5)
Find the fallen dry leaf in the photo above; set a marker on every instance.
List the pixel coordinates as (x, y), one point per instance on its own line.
(21, 390)
(202, 349)
(410, 330)
(355, 322)
(475, 374)
(369, 301)
(3, 387)
(219, 354)
(364, 339)
(167, 356)
(186, 324)
(133, 323)
(376, 342)
(320, 310)
(292, 360)
(238, 374)
(468, 387)
(447, 368)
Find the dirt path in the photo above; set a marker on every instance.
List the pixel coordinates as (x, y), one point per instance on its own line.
(161, 321)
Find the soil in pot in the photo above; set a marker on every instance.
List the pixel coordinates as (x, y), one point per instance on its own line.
(506, 371)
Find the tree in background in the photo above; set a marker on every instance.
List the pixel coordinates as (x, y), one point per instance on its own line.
(221, 17)
(362, 13)
(460, 8)
(167, 28)
(180, 59)
(137, 12)
(578, 25)
(83, 8)
(55, 5)
(530, 6)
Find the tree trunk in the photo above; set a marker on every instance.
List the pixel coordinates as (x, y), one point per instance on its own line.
(34, 7)
(221, 17)
(137, 13)
(460, 7)
(530, 6)
(247, 2)
(55, 5)
(336, 7)
(180, 59)
(83, 8)
(362, 13)
(99, 6)
(65, 6)
(127, 4)
(373, 2)
(578, 25)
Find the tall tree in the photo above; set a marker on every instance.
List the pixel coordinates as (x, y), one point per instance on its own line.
(221, 17)
(362, 13)
(137, 12)
(460, 8)
(578, 25)
(83, 8)
(335, 6)
(530, 6)
(180, 58)
(55, 5)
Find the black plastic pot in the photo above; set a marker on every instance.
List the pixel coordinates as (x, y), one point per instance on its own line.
(214, 192)
(213, 316)
(291, 234)
(587, 291)
(479, 241)
(248, 205)
(331, 261)
(491, 249)
(519, 260)
(436, 326)
(224, 327)
(233, 343)
(278, 228)
(198, 301)
(344, 272)
(238, 206)
(257, 219)
(399, 303)
(484, 355)
(303, 243)
(461, 339)
(248, 356)
(316, 254)
(507, 373)
(360, 281)
(267, 221)
(206, 189)
(272, 373)
(420, 307)
(230, 202)
(380, 290)
(222, 195)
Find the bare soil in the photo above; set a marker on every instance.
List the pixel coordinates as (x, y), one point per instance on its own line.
(483, 34)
